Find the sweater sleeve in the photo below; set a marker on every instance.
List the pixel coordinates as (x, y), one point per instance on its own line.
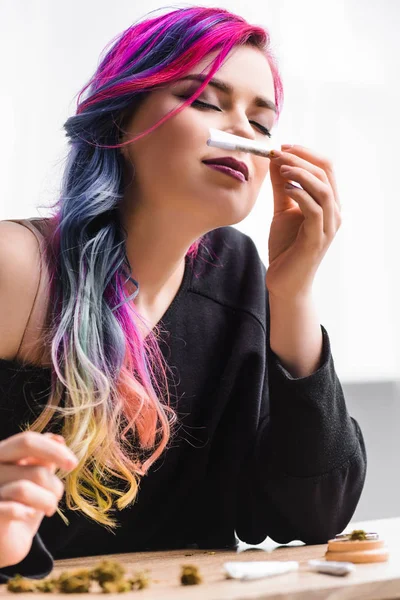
(36, 565)
(304, 476)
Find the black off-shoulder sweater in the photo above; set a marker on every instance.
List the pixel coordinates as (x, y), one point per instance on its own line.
(257, 453)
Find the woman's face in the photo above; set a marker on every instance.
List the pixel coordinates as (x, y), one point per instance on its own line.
(169, 172)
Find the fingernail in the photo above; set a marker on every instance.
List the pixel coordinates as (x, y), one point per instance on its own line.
(290, 186)
(56, 437)
(275, 154)
(60, 438)
(286, 146)
(72, 463)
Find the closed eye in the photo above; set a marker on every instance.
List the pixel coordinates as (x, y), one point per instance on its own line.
(205, 105)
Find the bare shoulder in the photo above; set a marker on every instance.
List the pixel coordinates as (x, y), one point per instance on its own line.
(19, 281)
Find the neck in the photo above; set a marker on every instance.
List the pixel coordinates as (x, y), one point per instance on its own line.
(156, 245)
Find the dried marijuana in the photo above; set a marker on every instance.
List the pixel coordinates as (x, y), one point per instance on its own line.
(190, 575)
(358, 534)
(109, 574)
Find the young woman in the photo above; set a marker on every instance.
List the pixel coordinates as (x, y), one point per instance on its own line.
(180, 390)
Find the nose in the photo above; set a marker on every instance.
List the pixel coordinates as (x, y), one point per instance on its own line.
(240, 125)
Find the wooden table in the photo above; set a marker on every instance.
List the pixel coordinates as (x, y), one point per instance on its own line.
(367, 582)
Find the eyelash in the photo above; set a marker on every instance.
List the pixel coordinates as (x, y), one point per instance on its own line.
(263, 129)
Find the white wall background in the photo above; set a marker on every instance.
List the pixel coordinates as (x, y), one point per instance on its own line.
(340, 62)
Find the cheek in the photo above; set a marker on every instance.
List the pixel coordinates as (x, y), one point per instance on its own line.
(178, 148)
(261, 169)
(184, 133)
(179, 136)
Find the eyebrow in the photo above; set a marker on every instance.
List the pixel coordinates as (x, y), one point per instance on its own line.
(228, 89)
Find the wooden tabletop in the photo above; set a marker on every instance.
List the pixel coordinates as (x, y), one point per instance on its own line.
(367, 582)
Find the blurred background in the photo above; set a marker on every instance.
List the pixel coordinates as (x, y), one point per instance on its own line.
(340, 64)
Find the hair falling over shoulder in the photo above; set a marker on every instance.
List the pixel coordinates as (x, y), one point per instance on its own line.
(110, 383)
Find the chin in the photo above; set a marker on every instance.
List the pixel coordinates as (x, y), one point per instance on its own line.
(232, 216)
(218, 207)
(233, 208)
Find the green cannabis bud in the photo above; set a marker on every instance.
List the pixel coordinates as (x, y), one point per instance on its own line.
(140, 580)
(47, 586)
(358, 534)
(20, 585)
(190, 575)
(75, 582)
(116, 587)
(108, 570)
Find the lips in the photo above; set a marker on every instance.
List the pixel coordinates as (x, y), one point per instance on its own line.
(232, 163)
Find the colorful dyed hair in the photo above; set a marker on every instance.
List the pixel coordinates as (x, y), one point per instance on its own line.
(109, 391)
